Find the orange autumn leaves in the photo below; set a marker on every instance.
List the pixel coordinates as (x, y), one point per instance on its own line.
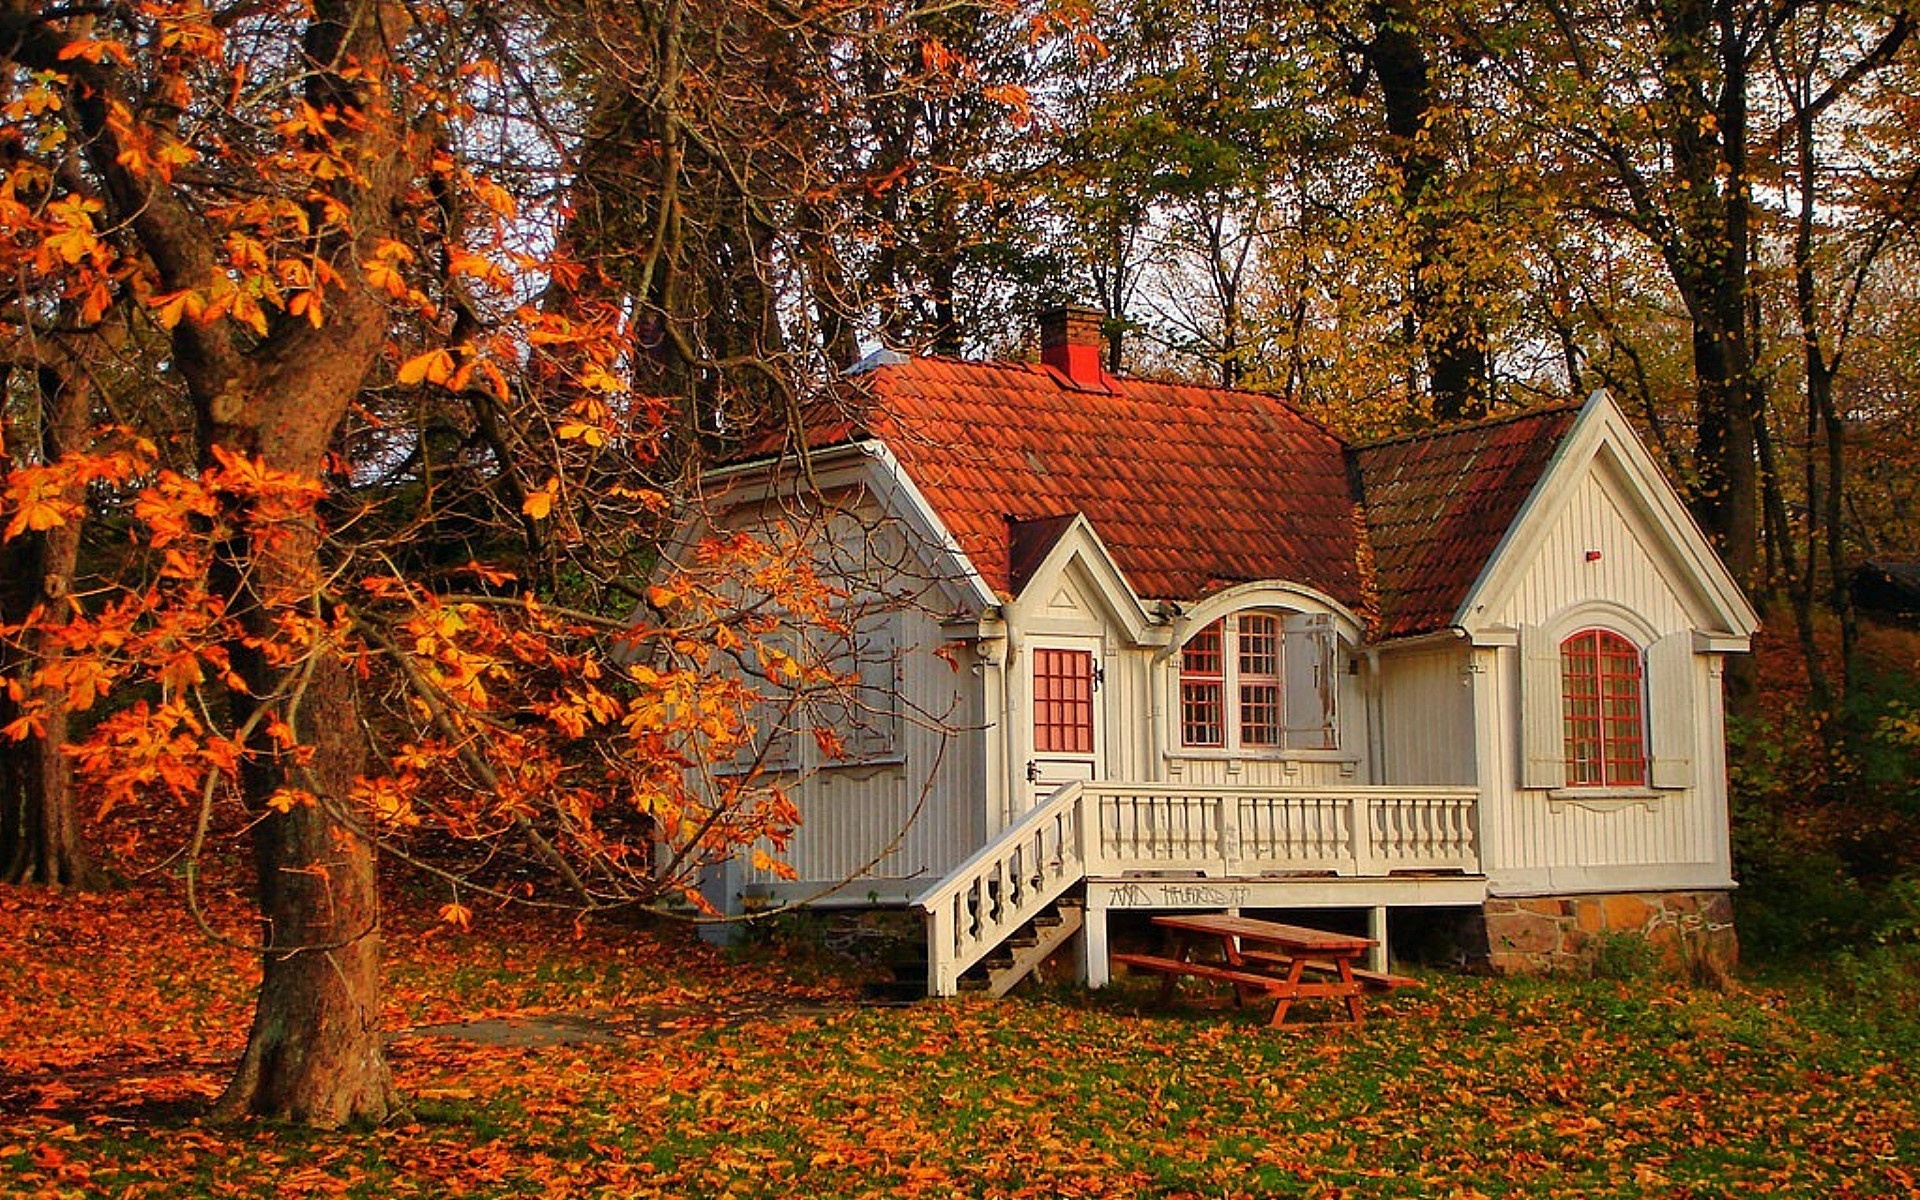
(214, 591)
(497, 711)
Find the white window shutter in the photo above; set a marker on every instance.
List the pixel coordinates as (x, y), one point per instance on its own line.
(876, 725)
(1311, 685)
(1543, 739)
(1671, 723)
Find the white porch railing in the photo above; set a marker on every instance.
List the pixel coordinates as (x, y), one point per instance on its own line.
(1250, 832)
(1119, 829)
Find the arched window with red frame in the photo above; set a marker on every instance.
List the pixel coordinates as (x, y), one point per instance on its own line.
(1602, 700)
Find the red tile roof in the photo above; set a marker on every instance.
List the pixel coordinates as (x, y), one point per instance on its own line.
(1194, 489)
(1438, 504)
(1191, 488)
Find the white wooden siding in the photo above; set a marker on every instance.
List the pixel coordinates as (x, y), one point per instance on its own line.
(851, 813)
(1426, 718)
(924, 798)
(1627, 573)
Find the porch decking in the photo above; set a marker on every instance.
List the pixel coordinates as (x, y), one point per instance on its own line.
(1158, 845)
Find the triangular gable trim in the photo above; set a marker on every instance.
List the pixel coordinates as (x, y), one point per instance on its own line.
(900, 491)
(1601, 428)
(1080, 541)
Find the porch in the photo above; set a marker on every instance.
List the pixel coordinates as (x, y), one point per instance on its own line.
(1167, 846)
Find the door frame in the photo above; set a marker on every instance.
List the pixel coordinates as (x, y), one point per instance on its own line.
(1033, 771)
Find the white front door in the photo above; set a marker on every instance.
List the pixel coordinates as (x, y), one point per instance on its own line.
(1067, 739)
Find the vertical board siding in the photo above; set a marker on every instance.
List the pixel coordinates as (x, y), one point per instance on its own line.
(851, 813)
(1426, 719)
(1129, 715)
(1561, 576)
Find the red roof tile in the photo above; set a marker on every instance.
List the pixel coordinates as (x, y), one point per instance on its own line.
(1191, 488)
(1194, 489)
(1438, 504)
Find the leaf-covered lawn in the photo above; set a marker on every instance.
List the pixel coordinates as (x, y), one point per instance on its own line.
(705, 1077)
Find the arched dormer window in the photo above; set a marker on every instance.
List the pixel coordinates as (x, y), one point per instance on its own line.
(1261, 681)
(1602, 706)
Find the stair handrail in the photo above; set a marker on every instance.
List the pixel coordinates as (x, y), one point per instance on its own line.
(1031, 871)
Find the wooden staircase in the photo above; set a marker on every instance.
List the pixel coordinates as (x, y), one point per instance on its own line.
(1034, 943)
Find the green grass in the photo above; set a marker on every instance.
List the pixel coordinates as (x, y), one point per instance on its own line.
(1804, 1085)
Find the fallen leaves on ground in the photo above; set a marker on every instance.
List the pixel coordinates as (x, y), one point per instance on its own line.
(715, 1076)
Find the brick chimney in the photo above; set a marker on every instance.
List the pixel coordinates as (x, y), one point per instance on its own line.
(1071, 344)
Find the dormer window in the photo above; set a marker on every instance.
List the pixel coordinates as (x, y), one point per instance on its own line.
(1259, 681)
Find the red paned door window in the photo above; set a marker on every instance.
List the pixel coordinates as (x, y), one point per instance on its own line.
(1600, 693)
(1063, 701)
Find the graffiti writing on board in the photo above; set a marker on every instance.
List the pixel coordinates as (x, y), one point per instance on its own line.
(1177, 895)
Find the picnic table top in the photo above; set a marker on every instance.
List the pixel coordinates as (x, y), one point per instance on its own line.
(1296, 938)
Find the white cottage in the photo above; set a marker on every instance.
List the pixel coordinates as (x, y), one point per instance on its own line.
(1139, 645)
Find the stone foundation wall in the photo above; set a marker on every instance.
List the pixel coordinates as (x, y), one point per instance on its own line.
(1681, 933)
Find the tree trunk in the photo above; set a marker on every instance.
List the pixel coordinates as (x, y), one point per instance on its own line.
(277, 394)
(314, 1054)
(39, 826)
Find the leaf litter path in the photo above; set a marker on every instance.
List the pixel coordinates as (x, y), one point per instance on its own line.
(145, 1084)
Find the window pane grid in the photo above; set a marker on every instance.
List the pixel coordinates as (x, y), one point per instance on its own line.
(1203, 688)
(1203, 713)
(1601, 702)
(1261, 716)
(1063, 701)
(1259, 643)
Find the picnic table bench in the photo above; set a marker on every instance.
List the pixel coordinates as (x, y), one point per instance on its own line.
(1265, 959)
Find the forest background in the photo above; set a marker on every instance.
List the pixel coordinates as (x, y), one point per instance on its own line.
(358, 354)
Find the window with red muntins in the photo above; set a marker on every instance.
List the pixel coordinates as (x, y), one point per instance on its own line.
(1063, 701)
(1259, 652)
(1601, 699)
(1203, 689)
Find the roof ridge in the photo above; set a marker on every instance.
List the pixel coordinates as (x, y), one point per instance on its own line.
(1035, 366)
(1470, 426)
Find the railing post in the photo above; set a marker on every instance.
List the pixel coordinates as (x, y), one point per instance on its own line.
(942, 979)
(1364, 862)
(1086, 827)
(1229, 822)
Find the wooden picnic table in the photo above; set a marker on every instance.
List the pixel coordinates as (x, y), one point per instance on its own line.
(1265, 958)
